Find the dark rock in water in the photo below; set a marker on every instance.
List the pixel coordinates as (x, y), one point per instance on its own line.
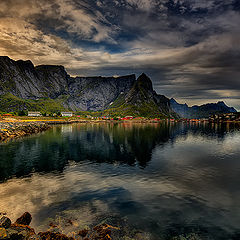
(5, 222)
(25, 219)
(53, 236)
(15, 235)
(83, 233)
(20, 231)
(103, 232)
(54, 229)
(191, 236)
(35, 237)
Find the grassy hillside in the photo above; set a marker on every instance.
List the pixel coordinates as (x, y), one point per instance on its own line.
(139, 102)
(145, 110)
(11, 103)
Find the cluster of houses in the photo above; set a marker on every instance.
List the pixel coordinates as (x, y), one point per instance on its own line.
(119, 118)
(70, 114)
(225, 117)
(38, 114)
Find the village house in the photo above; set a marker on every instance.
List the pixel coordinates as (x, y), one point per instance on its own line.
(7, 115)
(34, 114)
(66, 114)
(127, 118)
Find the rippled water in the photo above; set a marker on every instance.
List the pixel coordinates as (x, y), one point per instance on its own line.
(155, 181)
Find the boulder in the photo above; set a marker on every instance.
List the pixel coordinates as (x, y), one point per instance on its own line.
(83, 233)
(53, 236)
(35, 237)
(5, 222)
(25, 219)
(15, 235)
(19, 231)
(102, 232)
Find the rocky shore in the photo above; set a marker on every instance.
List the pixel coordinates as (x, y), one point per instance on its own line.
(19, 129)
(16, 129)
(20, 230)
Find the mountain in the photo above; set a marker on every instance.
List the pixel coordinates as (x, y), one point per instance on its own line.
(202, 111)
(142, 100)
(24, 86)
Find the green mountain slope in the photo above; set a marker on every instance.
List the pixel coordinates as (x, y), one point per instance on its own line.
(142, 100)
(11, 103)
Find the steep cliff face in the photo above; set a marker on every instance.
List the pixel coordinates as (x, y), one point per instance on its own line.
(54, 80)
(202, 111)
(97, 93)
(25, 87)
(23, 80)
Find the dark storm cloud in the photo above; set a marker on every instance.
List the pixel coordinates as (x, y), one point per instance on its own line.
(190, 48)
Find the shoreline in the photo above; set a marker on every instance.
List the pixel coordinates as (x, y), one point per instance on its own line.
(20, 230)
(12, 128)
(20, 128)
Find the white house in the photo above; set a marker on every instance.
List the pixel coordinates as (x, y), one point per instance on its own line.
(66, 114)
(34, 114)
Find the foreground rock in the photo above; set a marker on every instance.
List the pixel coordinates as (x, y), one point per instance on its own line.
(20, 230)
(25, 219)
(5, 222)
(20, 129)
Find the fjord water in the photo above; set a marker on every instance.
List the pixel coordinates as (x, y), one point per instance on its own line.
(154, 181)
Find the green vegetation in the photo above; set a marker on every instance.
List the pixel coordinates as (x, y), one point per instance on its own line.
(148, 110)
(11, 103)
(18, 106)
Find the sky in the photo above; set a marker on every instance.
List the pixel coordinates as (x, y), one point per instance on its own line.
(189, 48)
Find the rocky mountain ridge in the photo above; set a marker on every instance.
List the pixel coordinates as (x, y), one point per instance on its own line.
(202, 111)
(23, 84)
(142, 99)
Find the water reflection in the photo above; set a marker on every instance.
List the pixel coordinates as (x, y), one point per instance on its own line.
(164, 179)
(124, 143)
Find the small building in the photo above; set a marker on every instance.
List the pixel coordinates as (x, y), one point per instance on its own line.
(34, 114)
(66, 114)
(128, 118)
(7, 115)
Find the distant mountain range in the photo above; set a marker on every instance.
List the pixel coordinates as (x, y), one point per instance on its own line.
(49, 88)
(202, 111)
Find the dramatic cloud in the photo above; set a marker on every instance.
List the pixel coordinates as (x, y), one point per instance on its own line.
(189, 48)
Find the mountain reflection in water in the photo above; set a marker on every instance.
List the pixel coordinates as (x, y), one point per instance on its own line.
(165, 179)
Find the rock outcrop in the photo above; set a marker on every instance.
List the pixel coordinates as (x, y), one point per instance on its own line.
(20, 129)
(23, 80)
(97, 93)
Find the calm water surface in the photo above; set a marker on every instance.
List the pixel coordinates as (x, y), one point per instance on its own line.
(155, 181)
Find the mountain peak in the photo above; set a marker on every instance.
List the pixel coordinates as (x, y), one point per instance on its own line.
(25, 64)
(222, 103)
(145, 82)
